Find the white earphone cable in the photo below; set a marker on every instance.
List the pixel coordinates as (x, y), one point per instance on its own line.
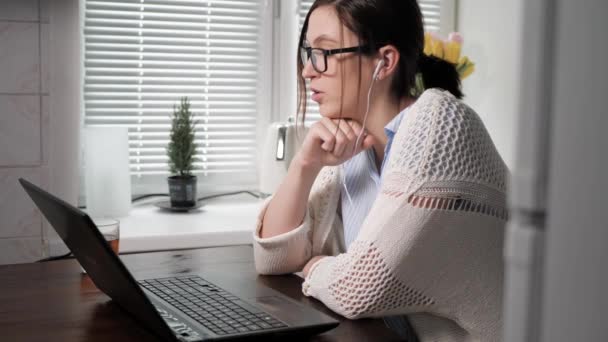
(369, 94)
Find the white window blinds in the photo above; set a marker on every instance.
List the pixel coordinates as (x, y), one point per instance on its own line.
(436, 14)
(141, 56)
(431, 14)
(312, 108)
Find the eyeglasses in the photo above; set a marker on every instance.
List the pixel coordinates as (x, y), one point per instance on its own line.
(318, 57)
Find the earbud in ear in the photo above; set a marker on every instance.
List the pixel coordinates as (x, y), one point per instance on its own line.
(377, 71)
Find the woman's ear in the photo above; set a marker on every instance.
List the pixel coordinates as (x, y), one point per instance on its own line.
(390, 55)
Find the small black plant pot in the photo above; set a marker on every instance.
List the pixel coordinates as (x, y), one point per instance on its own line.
(182, 191)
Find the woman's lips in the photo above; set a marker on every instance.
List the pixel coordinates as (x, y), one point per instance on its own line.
(316, 95)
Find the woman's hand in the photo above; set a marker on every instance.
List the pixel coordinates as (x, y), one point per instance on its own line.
(309, 264)
(331, 142)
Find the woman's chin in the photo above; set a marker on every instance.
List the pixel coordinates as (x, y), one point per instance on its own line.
(333, 113)
(336, 116)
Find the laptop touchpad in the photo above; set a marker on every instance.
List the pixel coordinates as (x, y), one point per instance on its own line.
(271, 303)
(280, 306)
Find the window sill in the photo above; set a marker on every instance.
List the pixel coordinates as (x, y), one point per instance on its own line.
(219, 222)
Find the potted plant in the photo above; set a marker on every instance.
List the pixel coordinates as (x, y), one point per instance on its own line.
(181, 152)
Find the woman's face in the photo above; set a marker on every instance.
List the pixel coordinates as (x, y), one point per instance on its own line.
(326, 88)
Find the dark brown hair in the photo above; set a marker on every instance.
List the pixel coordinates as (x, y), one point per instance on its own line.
(387, 22)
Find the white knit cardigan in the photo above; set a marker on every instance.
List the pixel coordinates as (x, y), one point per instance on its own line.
(431, 245)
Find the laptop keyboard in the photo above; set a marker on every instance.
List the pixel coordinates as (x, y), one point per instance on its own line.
(214, 308)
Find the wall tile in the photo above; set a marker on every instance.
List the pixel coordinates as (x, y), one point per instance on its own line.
(19, 57)
(44, 11)
(20, 250)
(54, 245)
(19, 10)
(44, 57)
(20, 124)
(18, 214)
(45, 111)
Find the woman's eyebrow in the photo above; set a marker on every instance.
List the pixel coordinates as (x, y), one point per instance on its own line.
(324, 37)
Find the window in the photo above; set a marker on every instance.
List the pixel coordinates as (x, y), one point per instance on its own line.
(141, 56)
(439, 16)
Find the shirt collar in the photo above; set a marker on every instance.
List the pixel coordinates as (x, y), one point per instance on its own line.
(391, 128)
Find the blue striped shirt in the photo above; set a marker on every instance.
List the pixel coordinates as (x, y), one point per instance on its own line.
(362, 179)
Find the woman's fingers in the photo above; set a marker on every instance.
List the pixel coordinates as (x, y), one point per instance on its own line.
(333, 141)
(356, 127)
(341, 139)
(345, 132)
(351, 137)
(346, 128)
(326, 136)
(359, 142)
(368, 142)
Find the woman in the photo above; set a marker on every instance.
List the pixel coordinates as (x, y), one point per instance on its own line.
(394, 206)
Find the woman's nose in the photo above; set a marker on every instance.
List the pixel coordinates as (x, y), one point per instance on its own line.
(308, 71)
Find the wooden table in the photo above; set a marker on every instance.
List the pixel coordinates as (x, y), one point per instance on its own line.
(52, 301)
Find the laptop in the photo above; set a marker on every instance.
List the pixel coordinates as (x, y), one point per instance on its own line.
(187, 307)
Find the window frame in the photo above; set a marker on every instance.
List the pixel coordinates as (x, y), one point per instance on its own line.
(150, 184)
(277, 86)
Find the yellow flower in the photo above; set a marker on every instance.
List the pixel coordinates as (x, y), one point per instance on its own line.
(452, 52)
(465, 67)
(427, 43)
(437, 48)
(448, 51)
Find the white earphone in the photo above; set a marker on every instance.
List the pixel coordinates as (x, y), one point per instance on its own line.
(377, 71)
(369, 94)
(375, 75)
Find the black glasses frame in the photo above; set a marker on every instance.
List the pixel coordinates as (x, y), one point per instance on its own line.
(309, 54)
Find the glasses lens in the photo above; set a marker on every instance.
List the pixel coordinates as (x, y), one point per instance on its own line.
(318, 60)
(303, 55)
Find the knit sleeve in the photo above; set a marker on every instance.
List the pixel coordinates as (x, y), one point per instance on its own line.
(284, 253)
(367, 280)
(289, 252)
(426, 239)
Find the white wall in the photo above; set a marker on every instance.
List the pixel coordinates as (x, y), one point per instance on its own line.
(24, 124)
(39, 78)
(66, 105)
(491, 30)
